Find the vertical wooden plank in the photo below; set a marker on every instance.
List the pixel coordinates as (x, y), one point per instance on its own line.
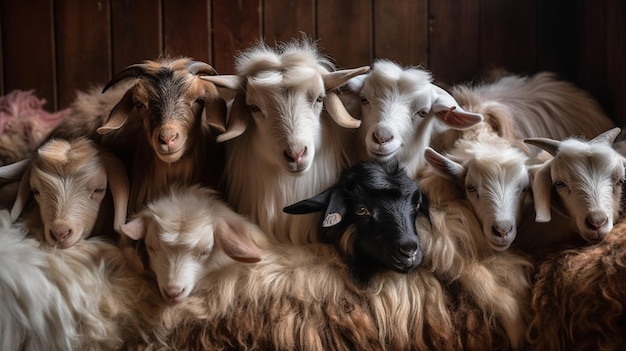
(27, 47)
(236, 26)
(557, 43)
(279, 27)
(454, 40)
(616, 60)
(344, 29)
(401, 31)
(83, 46)
(136, 32)
(186, 29)
(508, 35)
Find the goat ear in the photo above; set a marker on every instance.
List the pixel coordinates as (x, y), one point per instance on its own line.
(443, 165)
(549, 145)
(215, 108)
(23, 193)
(238, 119)
(118, 184)
(334, 80)
(14, 171)
(316, 203)
(233, 236)
(228, 81)
(337, 111)
(542, 193)
(607, 137)
(355, 84)
(119, 115)
(135, 229)
(448, 111)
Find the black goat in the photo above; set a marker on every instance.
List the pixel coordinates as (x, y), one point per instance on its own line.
(370, 217)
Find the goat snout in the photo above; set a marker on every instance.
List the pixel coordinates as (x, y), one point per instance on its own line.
(168, 137)
(174, 294)
(381, 138)
(596, 220)
(502, 230)
(60, 232)
(295, 156)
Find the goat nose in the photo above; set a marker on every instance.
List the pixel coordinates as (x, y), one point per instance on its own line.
(408, 250)
(596, 221)
(173, 292)
(167, 137)
(60, 234)
(381, 139)
(502, 231)
(295, 156)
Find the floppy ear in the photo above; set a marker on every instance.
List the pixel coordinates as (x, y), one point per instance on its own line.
(215, 108)
(233, 236)
(330, 200)
(450, 113)
(238, 119)
(14, 171)
(444, 165)
(23, 193)
(135, 229)
(119, 115)
(542, 193)
(118, 184)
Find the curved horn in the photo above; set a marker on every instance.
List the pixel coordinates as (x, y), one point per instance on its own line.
(132, 71)
(14, 171)
(607, 137)
(201, 68)
(338, 112)
(549, 145)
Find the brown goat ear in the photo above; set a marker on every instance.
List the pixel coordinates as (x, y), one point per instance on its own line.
(238, 119)
(23, 193)
(119, 115)
(443, 165)
(118, 185)
(215, 108)
(233, 236)
(542, 193)
(135, 229)
(337, 111)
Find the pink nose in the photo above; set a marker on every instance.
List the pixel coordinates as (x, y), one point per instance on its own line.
(174, 292)
(379, 139)
(295, 156)
(168, 138)
(61, 234)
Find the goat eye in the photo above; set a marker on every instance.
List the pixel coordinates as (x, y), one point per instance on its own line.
(364, 101)
(99, 190)
(470, 188)
(422, 113)
(139, 105)
(558, 184)
(205, 252)
(362, 211)
(254, 108)
(620, 181)
(35, 192)
(199, 101)
(319, 99)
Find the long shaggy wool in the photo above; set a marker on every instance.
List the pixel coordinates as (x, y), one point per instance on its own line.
(579, 297)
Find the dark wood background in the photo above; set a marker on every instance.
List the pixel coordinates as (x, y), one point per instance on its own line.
(59, 46)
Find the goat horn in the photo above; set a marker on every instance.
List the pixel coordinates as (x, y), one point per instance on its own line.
(607, 137)
(549, 145)
(201, 68)
(334, 80)
(132, 71)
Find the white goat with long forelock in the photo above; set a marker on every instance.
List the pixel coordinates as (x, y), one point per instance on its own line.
(491, 172)
(184, 231)
(80, 298)
(289, 135)
(519, 107)
(582, 183)
(401, 111)
(159, 117)
(69, 182)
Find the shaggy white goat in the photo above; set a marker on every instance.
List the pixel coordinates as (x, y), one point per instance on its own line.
(74, 299)
(158, 120)
(69, 181)
(282, 146)
(583, 183)
(182, 231)
(492, 173)
(401, 111)
(520, 107)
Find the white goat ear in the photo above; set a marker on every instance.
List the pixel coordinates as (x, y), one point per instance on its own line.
(443, 165)
(355, 84)
(549, 145)
(237, 120)
(118, 184)
(450, 113)
(14, 171)
(607, 137)
(119, 114)
(135, 229)
(542, 193)
(233, 236)
(23, 193)
(337, 111)
(334, 80)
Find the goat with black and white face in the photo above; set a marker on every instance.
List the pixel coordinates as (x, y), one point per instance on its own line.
(370, 217)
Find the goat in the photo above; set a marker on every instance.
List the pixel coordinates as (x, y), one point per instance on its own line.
(80, 298)
(379, 203)
(160, 123)
(69, 181)
(182, 230)
(401, 111)
(578, 297)
(281, 146)
(491, 172)
(519, 107)
(582, 182)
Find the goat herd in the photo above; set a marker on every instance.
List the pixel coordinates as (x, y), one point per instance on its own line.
(294, 206)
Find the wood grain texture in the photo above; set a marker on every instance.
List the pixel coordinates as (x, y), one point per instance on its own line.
(287, 19)
(186, 29)
(236, 26)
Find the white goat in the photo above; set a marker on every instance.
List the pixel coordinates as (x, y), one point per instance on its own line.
(491, 172)
(69, 181)
(582, 183)
(182, 231)
(282, 147)
(75, 299)
(401, 111)
(158, 121)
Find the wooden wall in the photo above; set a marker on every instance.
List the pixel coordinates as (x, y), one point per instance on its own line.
(59, 46)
